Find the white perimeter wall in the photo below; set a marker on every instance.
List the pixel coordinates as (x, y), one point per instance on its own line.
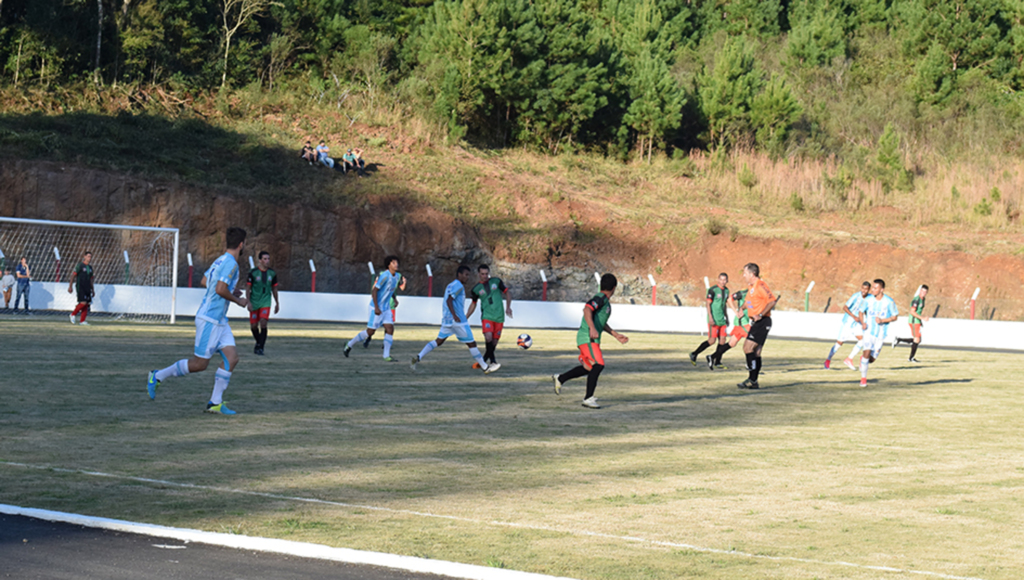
(528, 314)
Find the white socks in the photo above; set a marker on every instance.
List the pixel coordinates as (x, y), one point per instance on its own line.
(359, 338)
(863, 368)
(388, 339)
(220, 384)
(429, 347)
(479, 358)
(178, 369)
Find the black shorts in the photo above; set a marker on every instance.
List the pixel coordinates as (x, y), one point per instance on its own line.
(85, 298)
(758, 332)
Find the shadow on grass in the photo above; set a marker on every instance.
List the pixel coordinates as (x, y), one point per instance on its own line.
(187, 149)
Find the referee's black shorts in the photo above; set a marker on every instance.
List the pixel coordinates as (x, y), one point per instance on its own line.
(758, 332)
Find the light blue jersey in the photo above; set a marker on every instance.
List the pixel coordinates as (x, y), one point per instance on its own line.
(385, 287)
(884, 308)
(856, 304)
(214, 308)
(458, 293)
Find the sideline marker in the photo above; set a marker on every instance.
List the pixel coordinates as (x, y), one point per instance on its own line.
(312, 268)
(430, 282)
(807, 297)
(544, 287)
(654, 290)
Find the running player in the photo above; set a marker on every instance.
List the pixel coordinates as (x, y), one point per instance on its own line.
(853, 325)
(394, 306)
(718, 319)
(83, 276)
(588, 339)
(916, 319)
(262, 286)
(759, 303)
(740, 328)
(380, 312)
(455, 322)
(213, 334)
(881, 310)
(490, 292)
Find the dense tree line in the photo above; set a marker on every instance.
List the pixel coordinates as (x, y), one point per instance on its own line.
(617, 75)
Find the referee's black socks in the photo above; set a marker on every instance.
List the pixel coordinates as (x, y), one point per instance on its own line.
(754, 366)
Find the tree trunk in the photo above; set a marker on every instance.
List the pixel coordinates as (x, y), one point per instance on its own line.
(224, 73)
(99, 40)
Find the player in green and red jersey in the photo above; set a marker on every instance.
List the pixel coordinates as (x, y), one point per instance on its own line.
(262, 285)
(491, 292)
(588, 339)
(917, 318)
(740, 328)
(718, 319)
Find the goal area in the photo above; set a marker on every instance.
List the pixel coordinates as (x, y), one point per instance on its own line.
(135, 273)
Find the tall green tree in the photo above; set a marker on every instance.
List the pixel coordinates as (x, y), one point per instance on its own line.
(727, 91)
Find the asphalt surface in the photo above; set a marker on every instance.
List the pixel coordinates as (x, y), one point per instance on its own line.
(34, 549)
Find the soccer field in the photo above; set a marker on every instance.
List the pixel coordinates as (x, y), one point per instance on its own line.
(680, 475)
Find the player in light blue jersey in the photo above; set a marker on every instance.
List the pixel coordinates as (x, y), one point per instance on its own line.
(380, 311)
(853, 325)
(880, 311)
(212, 331)
(455, 322)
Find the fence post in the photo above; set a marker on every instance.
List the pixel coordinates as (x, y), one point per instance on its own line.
(597, 278)
(189, 256)
(974, 300)
(707, 283)
(430, 282)
(127, 268)
(3, 261)
(312, 268)
(544, 287)
(252, 266)
(56, 254)
(654, 290)
(807, 297)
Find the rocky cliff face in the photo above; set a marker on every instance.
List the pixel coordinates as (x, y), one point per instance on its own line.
(341, 240)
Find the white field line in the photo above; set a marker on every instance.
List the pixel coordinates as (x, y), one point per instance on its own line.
(232, 540)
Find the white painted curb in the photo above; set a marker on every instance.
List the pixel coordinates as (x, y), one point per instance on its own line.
(299, 549)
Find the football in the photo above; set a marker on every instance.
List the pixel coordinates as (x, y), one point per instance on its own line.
(524, 341)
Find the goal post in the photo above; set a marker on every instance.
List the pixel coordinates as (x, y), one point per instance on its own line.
(135, 268)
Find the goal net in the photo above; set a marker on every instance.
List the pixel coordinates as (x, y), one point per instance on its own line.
(135, 272)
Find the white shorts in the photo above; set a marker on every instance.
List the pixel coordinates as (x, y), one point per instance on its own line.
(211, 337)
(373, 321)
(872, 344)
(461, 330)
(850, 331)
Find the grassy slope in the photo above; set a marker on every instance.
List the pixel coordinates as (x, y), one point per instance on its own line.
(920, 471)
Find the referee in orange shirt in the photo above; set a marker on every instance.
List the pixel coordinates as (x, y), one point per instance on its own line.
(760, 302)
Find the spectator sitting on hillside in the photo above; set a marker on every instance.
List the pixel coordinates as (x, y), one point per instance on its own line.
(354, 160)
(321, 155)
(308, 153)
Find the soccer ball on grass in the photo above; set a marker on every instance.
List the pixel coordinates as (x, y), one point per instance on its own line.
(524, 341)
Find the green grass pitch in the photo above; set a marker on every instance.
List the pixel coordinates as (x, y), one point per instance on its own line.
(681, 475)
